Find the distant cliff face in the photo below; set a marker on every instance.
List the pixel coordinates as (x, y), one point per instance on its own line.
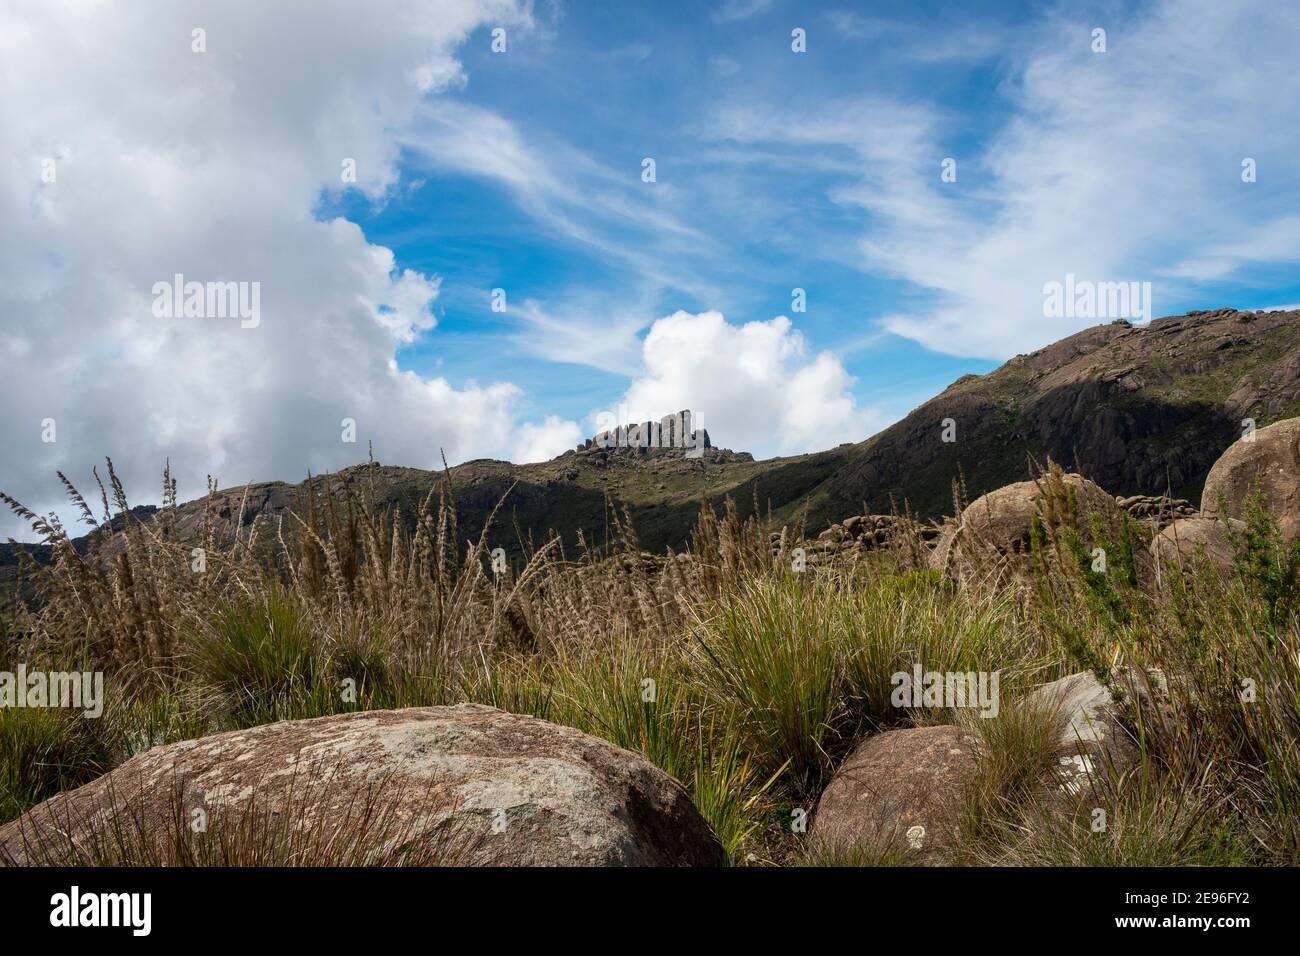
(1138, 409)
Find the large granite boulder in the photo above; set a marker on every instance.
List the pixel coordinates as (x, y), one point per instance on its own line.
(464, 785)
(993, 535)
(1269, 460)
(1181, 541)
(902, 790)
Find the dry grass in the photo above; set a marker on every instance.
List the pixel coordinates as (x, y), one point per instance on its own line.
(744, 680)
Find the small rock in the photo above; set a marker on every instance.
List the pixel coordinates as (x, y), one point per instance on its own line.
(1092, 737)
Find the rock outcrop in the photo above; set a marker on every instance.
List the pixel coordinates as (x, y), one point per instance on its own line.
(1140, 409)
(465, 785)
(675, 432)
(1157, 510)
(993, 535)
(858, 533)
(1268, 459)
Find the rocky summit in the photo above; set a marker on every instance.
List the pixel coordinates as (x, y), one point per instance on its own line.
(674, 433)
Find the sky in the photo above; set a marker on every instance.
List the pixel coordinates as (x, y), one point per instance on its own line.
(474, 228)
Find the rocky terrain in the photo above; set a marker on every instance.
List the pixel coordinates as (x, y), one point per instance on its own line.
(476, 785)
(1141, 410)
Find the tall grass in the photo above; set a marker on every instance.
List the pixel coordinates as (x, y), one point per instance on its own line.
(255, 659)
(746, 681)
(44, 751)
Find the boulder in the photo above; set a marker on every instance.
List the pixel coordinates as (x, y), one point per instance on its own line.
(835, 533)
(1092, 738)
(943, 547)
(467, 785)
(1269, 460)
(993, 534)
(1181, 541)
(903, 789)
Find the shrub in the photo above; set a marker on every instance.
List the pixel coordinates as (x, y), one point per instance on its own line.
(255, 661)
(44, 750)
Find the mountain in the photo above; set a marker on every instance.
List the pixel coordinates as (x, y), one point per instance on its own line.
(1139, 409)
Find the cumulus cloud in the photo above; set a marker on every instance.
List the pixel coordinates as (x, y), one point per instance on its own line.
(133, 158)
(543, 442)
(753, 386)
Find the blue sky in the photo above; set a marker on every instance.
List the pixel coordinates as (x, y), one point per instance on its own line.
(617, 85)
(745, 207)
(522, 170)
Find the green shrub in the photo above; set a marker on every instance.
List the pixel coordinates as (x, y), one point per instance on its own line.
(255, 661)
(771, 658)
(44, 750)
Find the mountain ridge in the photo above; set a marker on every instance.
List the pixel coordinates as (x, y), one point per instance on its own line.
(1141, 410)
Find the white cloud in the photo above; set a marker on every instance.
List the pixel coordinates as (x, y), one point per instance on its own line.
(1276, 241)
(753, 386)
(543, 442)
(730, 10)
(611, 210)
(210, 164)
(583, 329)
(922, 40)
(1120, 166)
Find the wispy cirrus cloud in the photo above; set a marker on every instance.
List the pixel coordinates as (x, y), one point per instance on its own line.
(575, 196)
(584, 328)
(1114, 166)
(917, 42)
(728, 11)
